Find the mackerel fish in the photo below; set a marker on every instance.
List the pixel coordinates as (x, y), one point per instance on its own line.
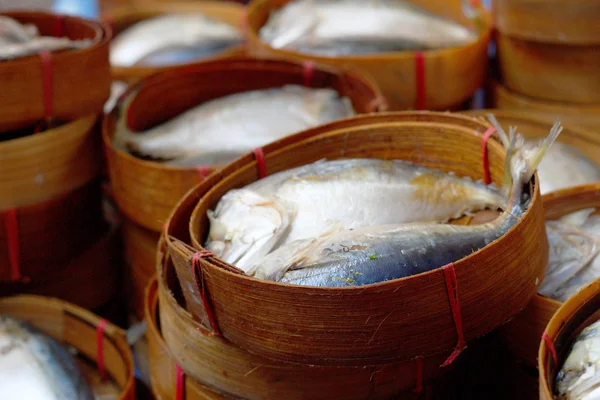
(33, 366)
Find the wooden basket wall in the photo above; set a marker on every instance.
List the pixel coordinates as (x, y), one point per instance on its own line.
(397, 328)
(77, 327)
(146, 191)
(446, 83)
(123, 17)
(79, 79)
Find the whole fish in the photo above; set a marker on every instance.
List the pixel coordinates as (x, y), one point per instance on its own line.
(21, 40)
(565, 166)
(172, 39)
(249, 120)
(579, 376)
(358, 27)
(326, 196)
(380, 253)
(33, 366)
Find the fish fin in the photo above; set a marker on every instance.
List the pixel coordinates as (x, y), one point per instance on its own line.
(535, 156)
(504, 138)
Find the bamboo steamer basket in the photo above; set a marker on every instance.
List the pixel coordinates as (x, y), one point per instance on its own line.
(573, 315)
(230, 370)
(572, 22)
(394, 331)
(79, 79)
(123, 17)
(584, 115)
(445, 82)
(77, 327)
(50, 234)
(39, 167)
(552, 72)
(140, 256)
(146, 191)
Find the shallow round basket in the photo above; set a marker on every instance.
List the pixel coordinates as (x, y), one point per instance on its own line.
(384, 322)
(224, 367)
(146, 191)
(551, 72)
(576, 313)
(584, 115)
(123, 17)
(433, 80)
(42, 166)
(78, 80)
(37, 241)
(77, 327)
(140, 257)
(572, 22)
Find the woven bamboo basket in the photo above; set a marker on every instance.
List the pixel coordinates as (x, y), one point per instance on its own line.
(37, 239)
(77, 327)
(146, 191)
(75, 82)
(576, 313)
(39, 167)
(237, 373)
(451, 143)
(551, 72)
(93, 272)
(572, 22)
(140, 256)
(584, 115)
(124, 17)
(434, 80)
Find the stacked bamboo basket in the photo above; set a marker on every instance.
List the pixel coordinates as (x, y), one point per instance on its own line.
(53, 237)
(239, 336)
(549, 54)
(145, 191)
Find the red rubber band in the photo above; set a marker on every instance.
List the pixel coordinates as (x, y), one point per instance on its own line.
(100, 347)
(260, 162)
(46, 58)
(179, 387)
(420, 80)
(197, 269)
(452, 288)
(59, 26)
(308, 71)
(487, 179)
(419, 386)
(203, 172)
(550, 344)
(375, 104)
(11, 225)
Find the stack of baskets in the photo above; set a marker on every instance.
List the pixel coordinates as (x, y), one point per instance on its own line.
(53, 237)
(549, 54)
(146, 191)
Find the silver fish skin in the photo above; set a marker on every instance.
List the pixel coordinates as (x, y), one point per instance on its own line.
(564, 166)
(579, 376)
(381, 253)
(251, 119)
(35, 366)
(326, 25)
(308, 201)
(142, 43)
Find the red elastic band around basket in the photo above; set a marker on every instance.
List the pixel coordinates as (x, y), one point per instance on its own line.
(100, 347)
(179, 388)
(200, 281)
(308, 70)
(11, 225)
(420, 80)
(59, 26)
(419, 386)
(46, 59)
(452, 289)
(550, 344)
(259, 155)
(487, 179)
